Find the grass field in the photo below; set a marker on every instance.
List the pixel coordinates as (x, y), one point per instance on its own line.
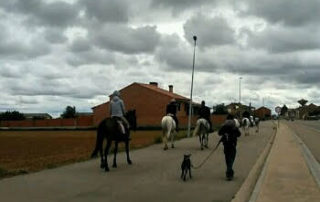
(29, 151)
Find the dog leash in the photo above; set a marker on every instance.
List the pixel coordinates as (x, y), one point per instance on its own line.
(205, 160)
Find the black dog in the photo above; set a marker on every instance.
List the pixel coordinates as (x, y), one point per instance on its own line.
(186, 166)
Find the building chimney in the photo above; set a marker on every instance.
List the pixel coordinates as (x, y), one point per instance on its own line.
(171, 88)
(154, 84)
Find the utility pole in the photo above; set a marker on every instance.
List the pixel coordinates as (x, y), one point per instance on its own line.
(190, 104)
(240, 90)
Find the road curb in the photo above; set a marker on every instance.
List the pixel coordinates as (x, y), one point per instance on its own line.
(310, 160)
(247, 188)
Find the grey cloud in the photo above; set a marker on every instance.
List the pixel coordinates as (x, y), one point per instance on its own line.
(43, 87)
(288, 12)
(309, 75)
(178, 6)
(55, 36)
(15, 50)
(80, 45)
(174, 53)
(286, 39)
(11, 71)
(210, 31)
(57, 14)
(93, 56)
(107, 10)
(230, 59)
(127, 40)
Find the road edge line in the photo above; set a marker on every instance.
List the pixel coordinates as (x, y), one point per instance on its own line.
(313, 164)
(251, 186)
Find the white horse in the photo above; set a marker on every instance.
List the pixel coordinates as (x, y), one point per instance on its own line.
(168, 130)
(257, 122)
(237, 122)
(202, 129)
(245, 126)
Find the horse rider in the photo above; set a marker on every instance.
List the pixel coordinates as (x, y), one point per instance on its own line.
(204, 112)
(117, 111)
(171, 110)
(229, 133)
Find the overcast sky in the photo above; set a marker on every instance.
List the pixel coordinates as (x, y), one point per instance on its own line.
(55, 53)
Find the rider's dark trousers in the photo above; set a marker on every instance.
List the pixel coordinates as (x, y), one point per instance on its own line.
(177, 123)
(209, 121)
(230, 155)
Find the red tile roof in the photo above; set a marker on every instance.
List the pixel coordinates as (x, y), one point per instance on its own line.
(164, 92)
(158, 90)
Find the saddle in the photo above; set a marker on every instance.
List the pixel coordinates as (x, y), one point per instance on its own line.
(205, 122)
(120, 124)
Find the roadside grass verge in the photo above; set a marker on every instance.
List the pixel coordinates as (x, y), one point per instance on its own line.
(24, 152)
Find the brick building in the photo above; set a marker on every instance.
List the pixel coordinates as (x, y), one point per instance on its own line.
(263, 113)
(237, 109)
(150, 103)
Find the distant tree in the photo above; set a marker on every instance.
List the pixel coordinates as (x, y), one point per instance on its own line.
(11, 116)
(284, 110)
(220, 109)
(302, 102)
(70, 112)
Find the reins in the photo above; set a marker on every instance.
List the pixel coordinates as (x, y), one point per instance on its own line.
(205, 160)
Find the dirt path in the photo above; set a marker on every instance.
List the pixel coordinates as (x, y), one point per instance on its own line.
(154, 176)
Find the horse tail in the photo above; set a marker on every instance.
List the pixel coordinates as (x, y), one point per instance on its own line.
(99, 140)
(166, 125)
(196, 130)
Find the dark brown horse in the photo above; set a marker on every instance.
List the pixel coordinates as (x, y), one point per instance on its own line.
(109, 129)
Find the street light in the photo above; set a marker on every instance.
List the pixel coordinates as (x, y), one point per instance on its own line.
(190, 104)
(240, 90)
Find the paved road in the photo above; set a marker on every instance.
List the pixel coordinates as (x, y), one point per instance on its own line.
(154, 176)
(309, 132)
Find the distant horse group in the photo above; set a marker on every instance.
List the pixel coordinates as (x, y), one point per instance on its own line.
(109, 129)
(246, 123)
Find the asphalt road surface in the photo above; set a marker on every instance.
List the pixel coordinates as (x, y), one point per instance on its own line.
(309, 132)
(154, 175)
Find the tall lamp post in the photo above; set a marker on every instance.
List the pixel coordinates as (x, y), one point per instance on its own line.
(240, 90)
(190, 104)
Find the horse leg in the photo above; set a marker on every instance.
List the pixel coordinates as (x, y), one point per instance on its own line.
(172, 139)
(206, 140)
(106, 151)
(114, 165)
(164, 140)
(127, 151)
(200, 140)
(102, 165)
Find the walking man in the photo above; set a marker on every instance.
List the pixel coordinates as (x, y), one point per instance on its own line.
(229, 133)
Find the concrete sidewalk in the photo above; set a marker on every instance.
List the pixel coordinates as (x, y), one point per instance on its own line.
(286, 176)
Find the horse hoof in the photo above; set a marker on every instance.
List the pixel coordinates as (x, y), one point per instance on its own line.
(106, 169)
(102, 165)
(201, 148)
(129, 162)
(172, 146)
(114, 166)
(166, 148)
